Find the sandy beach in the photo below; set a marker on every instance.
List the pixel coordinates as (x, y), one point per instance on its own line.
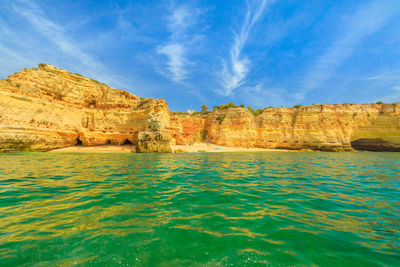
(96, 149)
(204, 147)
(198, 147)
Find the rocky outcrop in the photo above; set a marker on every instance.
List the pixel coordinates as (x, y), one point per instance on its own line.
(47, 108)
(346, 127)
(187, 128)
(153, 142)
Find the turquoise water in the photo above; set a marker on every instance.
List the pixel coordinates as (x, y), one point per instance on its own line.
(204, 209)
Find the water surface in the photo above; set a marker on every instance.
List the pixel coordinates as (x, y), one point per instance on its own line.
(205, 209)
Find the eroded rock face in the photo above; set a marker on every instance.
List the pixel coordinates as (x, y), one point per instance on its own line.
(153, 142)
(346, 127)
(187, 128)
(47, 108)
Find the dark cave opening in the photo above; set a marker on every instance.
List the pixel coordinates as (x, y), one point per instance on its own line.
(127, 142)
(78, 142)
(373, 144)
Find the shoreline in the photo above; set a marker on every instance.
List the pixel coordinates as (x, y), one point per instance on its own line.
(96, 149)
(195, 148)
(205, 147)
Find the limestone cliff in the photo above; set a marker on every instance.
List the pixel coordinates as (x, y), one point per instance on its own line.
(187, 128)
(344, 127)
(47, 108)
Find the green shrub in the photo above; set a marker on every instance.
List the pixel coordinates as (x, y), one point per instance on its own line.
(226, 106)
(255, 112)
(379, 102)
(203, 134)
(204, 108)
(178, 113)
(220, 118)
(93, 80)
(297, 106)
(41, 65)
(144, 102)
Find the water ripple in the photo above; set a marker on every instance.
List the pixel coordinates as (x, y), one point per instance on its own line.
(243, 209)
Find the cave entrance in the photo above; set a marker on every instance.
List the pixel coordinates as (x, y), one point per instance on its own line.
(127, 143)
(373, 144)
(108, 142)
(78, 142)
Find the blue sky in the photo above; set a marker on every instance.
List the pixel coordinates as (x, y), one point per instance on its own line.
(256, 52)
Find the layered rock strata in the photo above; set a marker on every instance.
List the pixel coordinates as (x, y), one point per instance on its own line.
(187, 128)
(374, 127)
(47, 108)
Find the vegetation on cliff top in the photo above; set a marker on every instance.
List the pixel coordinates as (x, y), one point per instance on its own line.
(205, 111)
(42, 65)
(255, 112)
(233, 105)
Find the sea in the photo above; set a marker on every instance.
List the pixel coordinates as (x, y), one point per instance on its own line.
(200, 209)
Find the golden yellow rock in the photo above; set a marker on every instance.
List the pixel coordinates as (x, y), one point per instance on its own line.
(186, 128)
(344, 127)
(47, 108)
(153, 142)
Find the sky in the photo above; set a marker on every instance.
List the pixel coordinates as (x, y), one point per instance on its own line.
(258, 53)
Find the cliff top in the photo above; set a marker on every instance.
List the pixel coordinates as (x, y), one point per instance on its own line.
(60, 86)
(349, 107)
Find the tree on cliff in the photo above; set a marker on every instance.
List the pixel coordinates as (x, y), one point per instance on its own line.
(204, 108)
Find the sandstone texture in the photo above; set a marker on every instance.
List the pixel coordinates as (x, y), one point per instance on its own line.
(346, 127)
(187, 128)
(47, 108)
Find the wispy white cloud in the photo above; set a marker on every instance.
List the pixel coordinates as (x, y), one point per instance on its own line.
(53, 31)
(365, 22)
(394, 95)
(58, 43)
(235, 69)
(260, 96)
(386, 76)
(177, 60)
(179, 21)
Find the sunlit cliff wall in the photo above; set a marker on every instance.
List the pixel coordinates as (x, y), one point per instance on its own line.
(344, 127)
(47, 108)
(187, 128)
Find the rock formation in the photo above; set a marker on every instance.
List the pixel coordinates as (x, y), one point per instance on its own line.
(187, 128)
(47, 108)
(374, 127)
